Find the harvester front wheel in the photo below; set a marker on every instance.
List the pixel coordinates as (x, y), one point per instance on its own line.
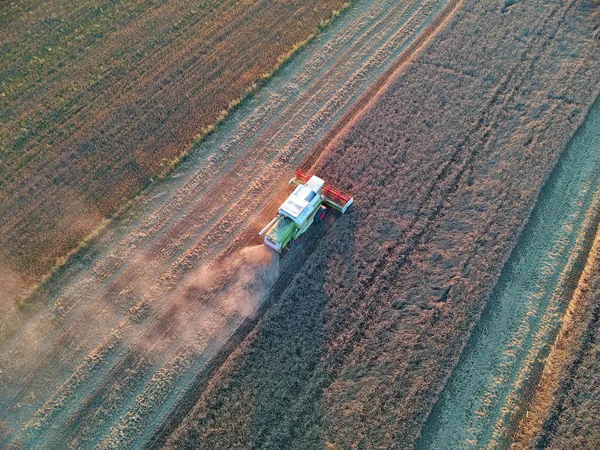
(321, 213)
(297, 241)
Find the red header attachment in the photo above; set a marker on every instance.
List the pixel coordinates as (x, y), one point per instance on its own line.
(302, 177)
(335, 196)
(331, 197)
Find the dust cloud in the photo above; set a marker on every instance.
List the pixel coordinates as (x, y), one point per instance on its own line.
(215, 297)
(12, 287)
(236, 285)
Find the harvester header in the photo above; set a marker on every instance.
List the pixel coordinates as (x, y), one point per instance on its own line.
(306, 205)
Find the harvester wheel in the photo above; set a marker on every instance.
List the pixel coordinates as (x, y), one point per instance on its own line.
(320, 214)
(297, 241)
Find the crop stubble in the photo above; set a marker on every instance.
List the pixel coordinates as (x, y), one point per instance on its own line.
(83, 359)
(562, 410)
(99, 98)
(445, 170)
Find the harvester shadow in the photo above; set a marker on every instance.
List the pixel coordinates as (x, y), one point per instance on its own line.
(284, 368)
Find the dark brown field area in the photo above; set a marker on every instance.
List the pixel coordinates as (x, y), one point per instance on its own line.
(98, 98)
(453, 306)
(446, 167)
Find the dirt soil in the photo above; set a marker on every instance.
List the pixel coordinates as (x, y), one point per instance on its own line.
(446, 168)
(116, 347)
(99, 97)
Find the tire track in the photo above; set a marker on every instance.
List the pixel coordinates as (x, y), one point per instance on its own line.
(396, 255)
(486, 395)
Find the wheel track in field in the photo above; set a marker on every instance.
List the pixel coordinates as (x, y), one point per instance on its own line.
(391, 262)
(505, 405)
(439, 192)
(525, 311)
(219, 230)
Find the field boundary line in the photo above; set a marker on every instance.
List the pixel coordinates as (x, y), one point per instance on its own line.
(545, 405)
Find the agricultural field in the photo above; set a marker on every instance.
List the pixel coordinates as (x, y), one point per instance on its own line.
(433, 314)
(120, 338)
(563, 412)
(97, 98)
(358, 349)
(522, 317)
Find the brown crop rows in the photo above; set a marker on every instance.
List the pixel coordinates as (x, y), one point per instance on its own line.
(563, 409)
(563, 413)
(367, 319)
(111, 345)
(97, 98)
(445, 168)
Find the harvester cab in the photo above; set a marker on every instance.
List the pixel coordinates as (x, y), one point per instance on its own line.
(306, 205)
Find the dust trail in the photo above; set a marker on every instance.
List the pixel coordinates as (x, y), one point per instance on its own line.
(236, 285)
(12, 285)
(215, 301)
(156, 365)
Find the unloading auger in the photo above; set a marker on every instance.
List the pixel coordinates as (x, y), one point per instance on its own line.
(307, 204)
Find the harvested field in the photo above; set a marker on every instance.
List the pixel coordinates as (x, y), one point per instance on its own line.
(563, 413)
(446, 168)
(114, 347)
(484, 399)
(448, 122)
(97, 98)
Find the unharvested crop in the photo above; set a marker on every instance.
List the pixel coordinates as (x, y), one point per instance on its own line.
(102, 353)
(562, 413)
(445, 168)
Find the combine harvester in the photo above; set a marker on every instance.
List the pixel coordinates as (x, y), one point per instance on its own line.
(307, 204)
